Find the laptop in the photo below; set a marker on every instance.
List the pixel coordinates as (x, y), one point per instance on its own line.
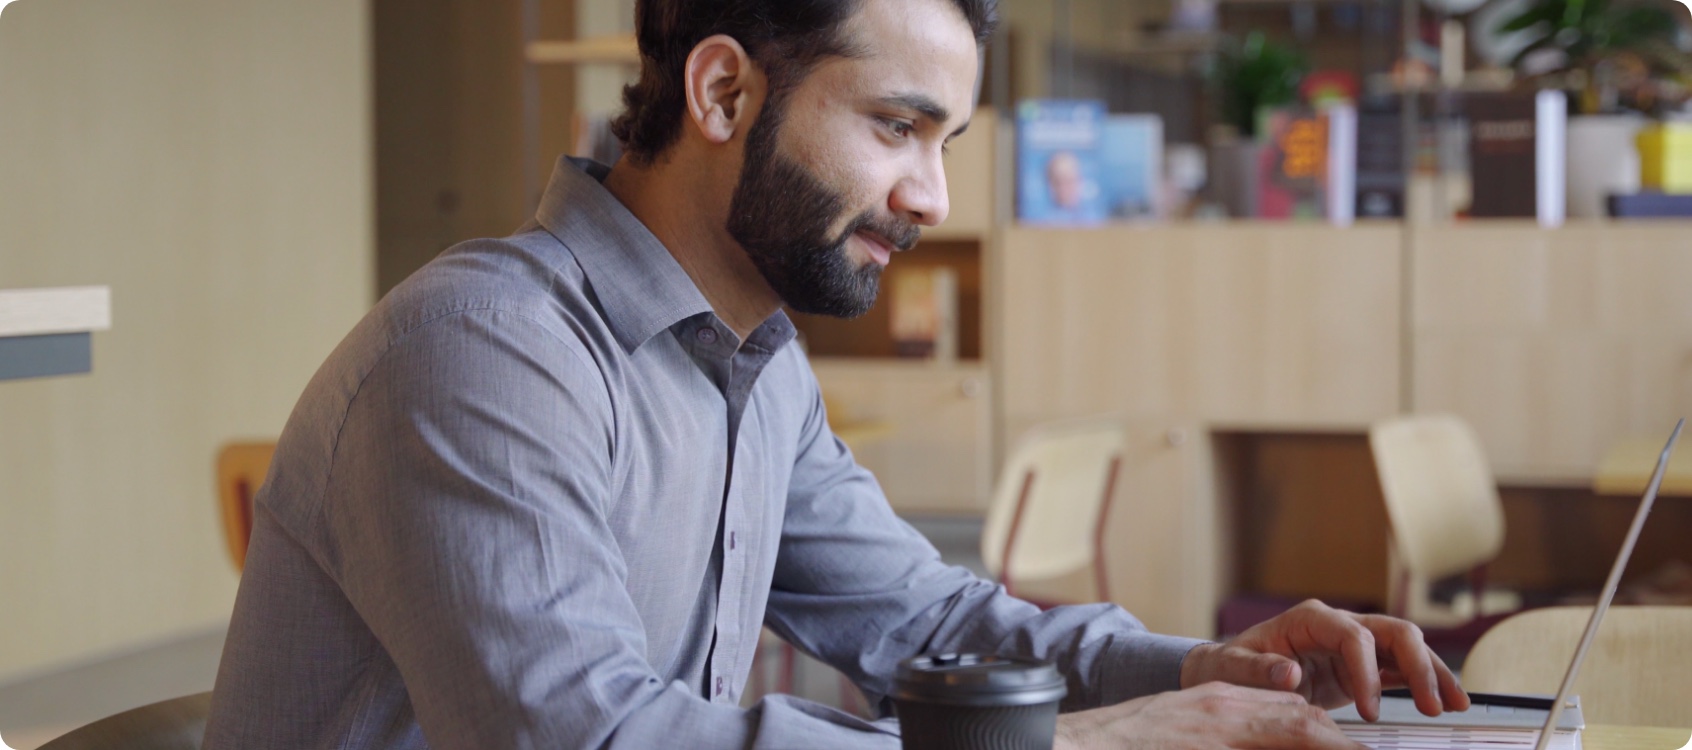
(1558, 718)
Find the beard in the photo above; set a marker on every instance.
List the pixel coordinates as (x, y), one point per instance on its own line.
(780, 215)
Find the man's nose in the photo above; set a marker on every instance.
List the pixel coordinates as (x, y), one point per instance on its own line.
(921, 196)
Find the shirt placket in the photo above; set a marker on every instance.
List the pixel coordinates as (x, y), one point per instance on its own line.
(730, 596)
(738, 549)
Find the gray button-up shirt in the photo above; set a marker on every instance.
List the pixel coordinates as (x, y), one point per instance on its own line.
(542, 497)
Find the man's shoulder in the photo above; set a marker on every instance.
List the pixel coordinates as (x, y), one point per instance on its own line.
(529, 275)
(488, 318)
(482, 309)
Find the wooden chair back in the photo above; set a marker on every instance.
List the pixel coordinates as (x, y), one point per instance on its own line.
(241, 468)
(1440, 496)
(1638, 673)
(1049, 506)
(175, 724)
(1444, 510)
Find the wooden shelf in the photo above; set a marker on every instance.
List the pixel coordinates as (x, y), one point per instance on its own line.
(870, 336)
(39, 312)
(621, 49)
(46, 332)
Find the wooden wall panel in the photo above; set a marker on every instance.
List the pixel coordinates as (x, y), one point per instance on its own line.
(210, 161)
(935, 456)
(1554, 344)
(1276, 324)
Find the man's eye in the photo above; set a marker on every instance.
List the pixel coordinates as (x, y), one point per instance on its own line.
(899, 128)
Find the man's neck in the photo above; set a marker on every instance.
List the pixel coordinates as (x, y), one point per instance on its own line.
(688, 216)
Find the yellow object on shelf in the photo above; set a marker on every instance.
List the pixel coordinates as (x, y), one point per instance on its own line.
(1665, 158)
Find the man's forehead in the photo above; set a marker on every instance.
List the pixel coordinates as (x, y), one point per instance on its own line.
(915, 49)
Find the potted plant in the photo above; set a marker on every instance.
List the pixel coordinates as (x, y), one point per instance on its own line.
(1618, 55)
(1257, 73)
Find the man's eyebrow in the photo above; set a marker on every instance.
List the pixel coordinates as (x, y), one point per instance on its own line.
(926, 106)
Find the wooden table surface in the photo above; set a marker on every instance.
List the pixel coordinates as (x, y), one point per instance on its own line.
(1606, 737)
(1627, 466)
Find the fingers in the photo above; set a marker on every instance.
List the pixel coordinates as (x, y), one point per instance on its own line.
(1299, 728)
(1279, 672)
(1266, 670)
(1410, 656)
(1355, 653)
(1213, 715)
(1270, 719)
(1363, 677)
(1450, 690)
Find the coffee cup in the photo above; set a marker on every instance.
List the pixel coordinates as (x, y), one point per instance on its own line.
(977, 702)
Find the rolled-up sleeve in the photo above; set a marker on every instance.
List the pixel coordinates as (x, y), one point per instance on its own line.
(466, 512)
(860, 589)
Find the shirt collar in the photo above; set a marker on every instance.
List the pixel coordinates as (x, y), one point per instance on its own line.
(639, 284)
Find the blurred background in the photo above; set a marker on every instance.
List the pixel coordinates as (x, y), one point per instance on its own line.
(1244, 233)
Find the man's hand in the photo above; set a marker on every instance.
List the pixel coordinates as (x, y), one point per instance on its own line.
(1331, 658)
(1216, 716)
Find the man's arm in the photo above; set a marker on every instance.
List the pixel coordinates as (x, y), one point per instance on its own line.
(861, 589)
(468, 523)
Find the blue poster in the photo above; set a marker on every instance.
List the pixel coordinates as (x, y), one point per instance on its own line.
(1057, 162)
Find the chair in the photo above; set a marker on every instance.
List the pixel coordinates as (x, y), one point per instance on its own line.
(1446, 519)
(1638, 672)
(241, 468)
(1048, 511)
(175, 724)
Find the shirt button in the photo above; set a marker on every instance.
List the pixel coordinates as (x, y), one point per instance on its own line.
(731, 540)
(707, 336)
(719, 686)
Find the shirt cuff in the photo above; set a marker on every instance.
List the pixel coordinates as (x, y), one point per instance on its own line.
(1141, 664)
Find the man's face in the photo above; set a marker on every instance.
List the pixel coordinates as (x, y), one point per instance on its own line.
(1063, 178)
(842, 169)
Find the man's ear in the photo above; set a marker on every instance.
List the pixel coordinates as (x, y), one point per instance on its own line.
(724, 88)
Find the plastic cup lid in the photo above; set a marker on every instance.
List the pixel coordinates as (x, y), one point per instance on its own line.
(978, 680)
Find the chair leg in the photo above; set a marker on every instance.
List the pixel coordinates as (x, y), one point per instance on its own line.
(1100, 579)
(1477, 586)
(784, 681)
(1016, 523)
(850, 700)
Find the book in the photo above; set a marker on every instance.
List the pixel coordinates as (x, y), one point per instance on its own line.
(1381, 176)
(1495, 727)
(924, 312)
(1650, 205)
(1517, 155)
(1057, 162)
(1307, 168)
(1131, 165)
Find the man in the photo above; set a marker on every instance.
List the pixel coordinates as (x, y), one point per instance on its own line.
(548, 491)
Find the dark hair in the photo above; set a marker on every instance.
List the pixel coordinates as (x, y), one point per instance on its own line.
(785, 38)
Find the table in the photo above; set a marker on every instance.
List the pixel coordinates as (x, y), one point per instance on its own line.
(1606, 737)
(48, 331)
(1627, 466)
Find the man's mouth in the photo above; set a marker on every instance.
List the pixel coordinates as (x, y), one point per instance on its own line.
(880, 250)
